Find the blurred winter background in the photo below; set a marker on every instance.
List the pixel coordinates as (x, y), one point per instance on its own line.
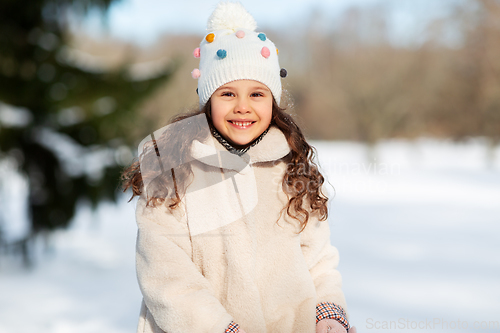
(401, 98)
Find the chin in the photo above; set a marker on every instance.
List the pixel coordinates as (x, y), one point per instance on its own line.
(240, 145)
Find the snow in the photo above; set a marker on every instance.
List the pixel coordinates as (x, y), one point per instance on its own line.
(417, 230)
(84, 282)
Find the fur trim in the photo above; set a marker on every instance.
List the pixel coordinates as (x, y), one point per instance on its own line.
(272, 147)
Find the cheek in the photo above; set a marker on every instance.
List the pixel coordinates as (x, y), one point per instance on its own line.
(217, 117)
(266, 116)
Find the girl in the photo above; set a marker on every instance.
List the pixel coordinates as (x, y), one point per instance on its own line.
(231, 215)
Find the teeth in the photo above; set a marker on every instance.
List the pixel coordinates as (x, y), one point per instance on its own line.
(242, 123)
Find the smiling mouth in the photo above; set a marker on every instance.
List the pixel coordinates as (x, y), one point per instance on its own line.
(241, 124)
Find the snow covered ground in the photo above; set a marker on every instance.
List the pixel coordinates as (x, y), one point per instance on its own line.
(418, 230)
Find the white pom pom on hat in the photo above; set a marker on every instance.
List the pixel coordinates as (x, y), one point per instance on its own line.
(232, 16)
(234, 51)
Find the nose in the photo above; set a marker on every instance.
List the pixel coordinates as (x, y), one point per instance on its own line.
(243, 105)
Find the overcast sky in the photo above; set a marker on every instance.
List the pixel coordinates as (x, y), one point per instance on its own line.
(142, 21)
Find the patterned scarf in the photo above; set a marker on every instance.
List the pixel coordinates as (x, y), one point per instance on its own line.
(230, 148)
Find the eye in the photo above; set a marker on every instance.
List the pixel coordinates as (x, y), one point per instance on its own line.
(257, 94)
(227, 93)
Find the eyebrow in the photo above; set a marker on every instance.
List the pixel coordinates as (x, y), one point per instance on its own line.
(251, 88)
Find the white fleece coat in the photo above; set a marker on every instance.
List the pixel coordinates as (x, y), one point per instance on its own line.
(221, 256)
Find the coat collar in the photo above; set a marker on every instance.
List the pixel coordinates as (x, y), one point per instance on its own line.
(272, 147)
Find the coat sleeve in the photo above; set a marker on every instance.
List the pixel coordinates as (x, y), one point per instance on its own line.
(176, 294)
(322, 259)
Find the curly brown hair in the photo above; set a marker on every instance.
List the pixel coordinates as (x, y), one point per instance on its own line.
(302, 181)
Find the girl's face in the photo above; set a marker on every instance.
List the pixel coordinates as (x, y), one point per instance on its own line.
(241, 111)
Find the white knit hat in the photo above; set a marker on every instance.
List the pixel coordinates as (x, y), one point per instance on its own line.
(234, 51)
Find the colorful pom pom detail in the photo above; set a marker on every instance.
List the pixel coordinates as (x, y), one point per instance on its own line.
(196, 73)
(283, 72)
(196, 52)
(277, 52)
(265, 52)
(240, 34)
(210, 38)
(221, 53)
(262, 36)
